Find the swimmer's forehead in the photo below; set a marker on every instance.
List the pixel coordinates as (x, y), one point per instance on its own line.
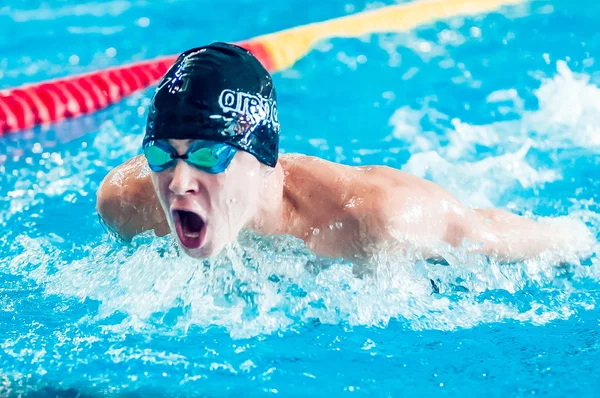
(182, 145)
(175, 141)
(179, 144)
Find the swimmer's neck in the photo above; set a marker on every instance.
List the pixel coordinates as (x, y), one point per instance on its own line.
(277, 211)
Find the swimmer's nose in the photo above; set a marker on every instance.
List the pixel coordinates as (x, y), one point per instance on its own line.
(183, 181)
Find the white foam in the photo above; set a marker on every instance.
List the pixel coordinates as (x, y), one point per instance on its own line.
(568, 117)
(274, 285)
(262, 286)
(480, 184)
(569, 111)
(66, 174)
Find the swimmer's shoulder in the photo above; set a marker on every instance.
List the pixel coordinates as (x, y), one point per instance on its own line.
(294, 159)
(126, 201)
(127, 173)
(127, 185)
(297, 160)
(374, 174)
(358, 179)
(386, 181)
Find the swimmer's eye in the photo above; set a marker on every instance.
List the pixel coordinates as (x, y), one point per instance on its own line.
(158, 159)
(203, 157)
(207, 156)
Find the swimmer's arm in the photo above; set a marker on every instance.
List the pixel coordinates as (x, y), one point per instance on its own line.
(425, 212)
(127, 203)
(513, 238)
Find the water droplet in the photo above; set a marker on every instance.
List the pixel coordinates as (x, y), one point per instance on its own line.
(546, 57)
(143, 22)
(475, 31)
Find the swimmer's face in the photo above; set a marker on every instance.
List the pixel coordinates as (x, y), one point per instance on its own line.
(207, 211)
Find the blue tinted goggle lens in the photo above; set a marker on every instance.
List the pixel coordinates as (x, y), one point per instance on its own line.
(157, 157)
(211, 157)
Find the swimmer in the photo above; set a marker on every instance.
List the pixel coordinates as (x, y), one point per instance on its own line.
(211, 168)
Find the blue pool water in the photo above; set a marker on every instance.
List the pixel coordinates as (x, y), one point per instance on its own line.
(501, 109)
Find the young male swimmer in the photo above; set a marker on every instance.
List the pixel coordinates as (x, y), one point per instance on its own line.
(211, 168)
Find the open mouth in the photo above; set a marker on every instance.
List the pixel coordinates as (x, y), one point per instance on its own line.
(190, 228)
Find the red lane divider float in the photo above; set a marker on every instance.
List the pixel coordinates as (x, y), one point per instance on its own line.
(28, 106)
(52, 101)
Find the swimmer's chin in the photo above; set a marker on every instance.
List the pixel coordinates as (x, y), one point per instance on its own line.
(203, 252)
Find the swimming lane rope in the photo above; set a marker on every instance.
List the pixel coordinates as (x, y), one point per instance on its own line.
(51, 101)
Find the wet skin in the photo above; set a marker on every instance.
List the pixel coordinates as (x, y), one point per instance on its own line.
(338, 210)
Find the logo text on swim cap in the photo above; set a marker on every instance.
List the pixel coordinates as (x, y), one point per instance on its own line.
(256, 108)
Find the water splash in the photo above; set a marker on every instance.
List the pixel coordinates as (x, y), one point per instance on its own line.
(567, 117)
(261, 286)
(268, 285)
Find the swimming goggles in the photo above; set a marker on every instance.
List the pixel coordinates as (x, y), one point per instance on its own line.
(208, 156)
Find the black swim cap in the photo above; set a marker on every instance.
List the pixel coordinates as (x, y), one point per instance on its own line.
(219, 92)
